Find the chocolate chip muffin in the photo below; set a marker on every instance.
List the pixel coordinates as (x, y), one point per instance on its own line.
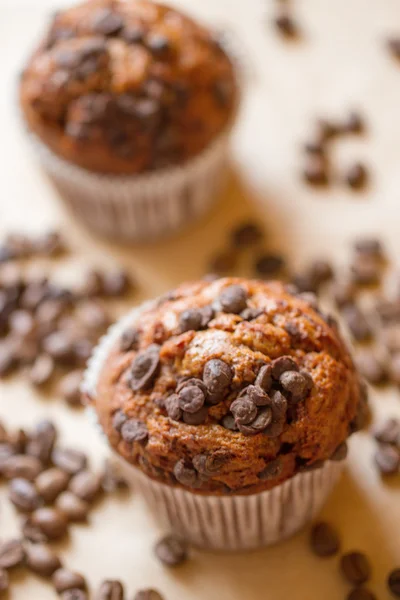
(127, 87)
(228, 388)
(121, 89)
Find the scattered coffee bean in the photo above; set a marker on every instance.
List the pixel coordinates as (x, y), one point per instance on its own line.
(73, 507)
(316, 171)
(24, 496)
(387, 432)
(69, 460)
(148, 595)
(394, 47)
(371, 367)
(110, 590)
(387, 459)
(42, 370)
(42, 560)
(85, 485)
(285, 24)
(370, 247)
(355, 567)
(269, 265)
(21, 466)
(4, 581)
(64, 580)
(324, 540)
(354, 123)
(51, 483)
(69, 388)
(394, 582)
(75, 594)
(357, 323)
(171, 550)
(12, 554)
(224, 262)
(361, 593)
(357, 176)
(50, 521)
(246, 234)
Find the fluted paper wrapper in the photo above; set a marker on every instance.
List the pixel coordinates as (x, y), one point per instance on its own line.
(221, 522)
(140, 207)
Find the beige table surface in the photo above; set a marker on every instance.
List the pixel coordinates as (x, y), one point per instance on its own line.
(340, 63)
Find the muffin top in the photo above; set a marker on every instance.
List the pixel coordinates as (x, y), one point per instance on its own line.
(230, 386)
(127, 86)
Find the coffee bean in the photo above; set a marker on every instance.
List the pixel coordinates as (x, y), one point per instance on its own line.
(185, 475)
(233, 299)
(281, 365)
(271, 471)
(24, 496)
(32, 533)
(134, 430)
(355, 567)
(244, 411)
(64, 580)
(343, 293)
(59, 347)
(324, 540)
(75, 594)
(357, 176)
(365, 271)
(316, 171)
(387, 432)
(21, 466)
(369, 247)
(191, 398)
(12, 554)
(357, 322)
(394, 582)
(387, 459)
(340, 452)
(73, 507)
(4, 581)
(51, 483)
(50, 521)
(110, 590)
(394, 47)
(116, 283)
(246, 234)
(217, 376)
(70, 387)
(286, 25)
(148, 595)
(106, 22)
(361, 593)
(269, 265)
(8, 360)
(85, 485)
(371, 367)
(354, 124)
(69, 460)
(172, 407)
(42, 560)
(171, 550)
(42, 370)
(223, 262)
(144, 368)
(42, 441)
(130, 339)
(295, 384)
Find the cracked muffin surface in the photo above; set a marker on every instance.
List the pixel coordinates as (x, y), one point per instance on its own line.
(231, 386)
(127, 87)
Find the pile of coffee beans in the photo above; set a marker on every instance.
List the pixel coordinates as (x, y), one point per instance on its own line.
(48, 331)
(318, 169)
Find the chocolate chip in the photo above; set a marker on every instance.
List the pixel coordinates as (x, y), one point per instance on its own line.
(172, 407)
(74, 508)
(23, 495)
(281, 365)
(217, 376)
(195, 318)
(244, 411)
(387, 459)
(110, 590)
(106, 22)
(119, 418)
(387, 432)
(25, 467)
(256, 395)
(229, 423)
(209, 464)
(171, 550)
(365, 270)
(4, 581)
(233, 299)
(316, 171)
(70, 387)
(394, 582)
(50, 521)
(185, 475)
(279, 410)
(295, 384)
(249, 314)
(12, 554)
(355, 567)
(264, 378)
(144, 368)
(134, 430)
(272, 470)
(357, 176)
(269, 265)
(371, 367)
(191, 398)
(260, 423)
(324, 540)
(69, 460)
(64, 579)
(148, 594)
(41, 560)
(197, 418)
(51, 483)
(130, 339)
(340, 452)
(246, 234)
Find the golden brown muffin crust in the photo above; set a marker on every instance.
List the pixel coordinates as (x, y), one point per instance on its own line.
(127, 86)
(229, 386)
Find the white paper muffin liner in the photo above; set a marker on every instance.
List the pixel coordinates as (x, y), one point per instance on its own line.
(140, 207)
(226, 523)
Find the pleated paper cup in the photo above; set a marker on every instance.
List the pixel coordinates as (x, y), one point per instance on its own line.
(225, 523)
(141, 207)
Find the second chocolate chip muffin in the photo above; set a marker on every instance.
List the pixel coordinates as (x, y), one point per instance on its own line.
(229, 387)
